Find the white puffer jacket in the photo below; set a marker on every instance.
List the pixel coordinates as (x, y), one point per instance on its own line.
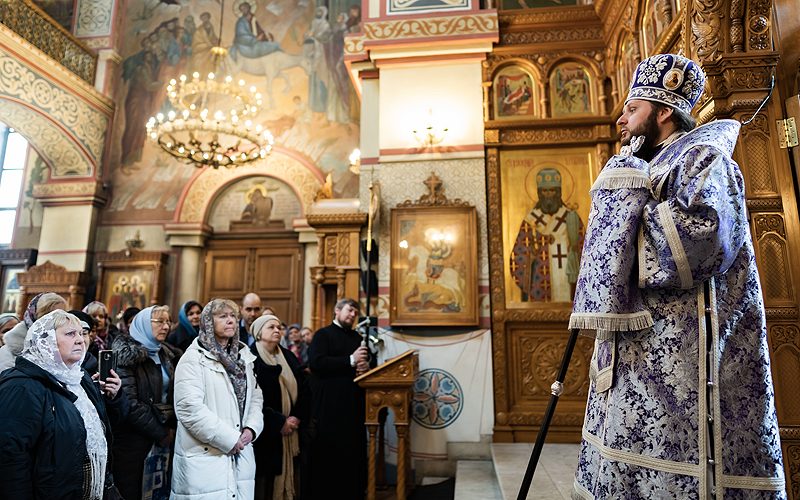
(209, 426)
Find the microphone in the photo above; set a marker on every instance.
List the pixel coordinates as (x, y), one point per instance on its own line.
(363, 323)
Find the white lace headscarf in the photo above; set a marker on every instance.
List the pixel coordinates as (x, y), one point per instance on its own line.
(41, 349)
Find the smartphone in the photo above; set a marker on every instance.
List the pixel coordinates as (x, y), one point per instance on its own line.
(107, 361)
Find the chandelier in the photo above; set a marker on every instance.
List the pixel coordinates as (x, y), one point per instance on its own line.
(212, 120)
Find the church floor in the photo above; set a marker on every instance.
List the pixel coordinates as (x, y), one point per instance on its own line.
(500, 478)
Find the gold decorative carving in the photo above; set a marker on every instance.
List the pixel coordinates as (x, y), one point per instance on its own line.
(785, 334)
(343, 251)
(552, 35)
(763, 204)
(471, 24)
(30, 22)
(491, 136)
(317, 220)
(435, 196)
(759, 24)
(571, 14)
(790, 433)
(775, 263)
(706, 24)
(205, 187)
(550, 135)
(781, 313)
(540, 359)
(331, 250)
(772, 223)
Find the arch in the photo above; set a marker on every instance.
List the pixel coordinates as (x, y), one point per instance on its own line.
(68, 131)
(223, 190)
(201, 191)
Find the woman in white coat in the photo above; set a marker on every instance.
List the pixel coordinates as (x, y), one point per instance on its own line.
(218, 406)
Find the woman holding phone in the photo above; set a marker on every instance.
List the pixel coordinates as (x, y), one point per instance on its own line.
(146, 365)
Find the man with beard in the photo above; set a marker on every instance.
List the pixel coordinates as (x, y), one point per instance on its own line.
(339, 447)
(545, 258)
(687, 409)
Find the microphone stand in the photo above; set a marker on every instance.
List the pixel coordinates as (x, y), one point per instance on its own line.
(555, 391)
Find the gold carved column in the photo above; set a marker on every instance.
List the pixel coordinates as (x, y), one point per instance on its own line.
(337, 272)
(738, 43)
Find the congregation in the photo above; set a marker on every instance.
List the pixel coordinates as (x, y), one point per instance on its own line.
(228, 402)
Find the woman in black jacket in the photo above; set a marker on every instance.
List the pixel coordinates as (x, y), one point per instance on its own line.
(146, 365)
(54, 425)
(286, 400)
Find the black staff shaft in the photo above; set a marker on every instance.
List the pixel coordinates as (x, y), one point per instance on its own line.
(555, 391)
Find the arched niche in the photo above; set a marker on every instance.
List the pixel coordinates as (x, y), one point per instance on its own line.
(516, 92)
(203, 189)
(244, 200)
(573, 88)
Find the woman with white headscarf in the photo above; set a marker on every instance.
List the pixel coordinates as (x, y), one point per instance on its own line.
(39, 305)
(7, 322)
(218, 405)
(54, 429)
(146, 365)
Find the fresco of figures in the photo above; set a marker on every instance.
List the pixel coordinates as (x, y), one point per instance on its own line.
(291, 50)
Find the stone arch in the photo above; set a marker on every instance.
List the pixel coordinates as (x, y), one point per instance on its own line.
(199, 195)
(61, 116)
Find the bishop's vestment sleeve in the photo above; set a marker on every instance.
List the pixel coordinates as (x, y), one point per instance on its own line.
(698, 229)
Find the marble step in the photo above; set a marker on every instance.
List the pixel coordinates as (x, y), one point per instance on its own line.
(475, 480)
(554, 473)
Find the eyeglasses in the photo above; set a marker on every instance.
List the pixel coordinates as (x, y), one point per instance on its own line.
(160, 322)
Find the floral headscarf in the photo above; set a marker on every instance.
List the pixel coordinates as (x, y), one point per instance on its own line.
(41, 349)
(30, 311)
(228, 356)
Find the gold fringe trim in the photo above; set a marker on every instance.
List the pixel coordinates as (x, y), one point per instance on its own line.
(621, 178)
(611, 322)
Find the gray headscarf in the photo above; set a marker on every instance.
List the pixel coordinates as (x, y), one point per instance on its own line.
(228, 356)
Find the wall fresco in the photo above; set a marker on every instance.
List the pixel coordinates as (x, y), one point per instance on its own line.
(291, 50)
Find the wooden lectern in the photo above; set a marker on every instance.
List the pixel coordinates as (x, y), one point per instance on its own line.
(390, 386)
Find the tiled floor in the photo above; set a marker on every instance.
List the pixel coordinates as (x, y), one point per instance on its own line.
(553, 477)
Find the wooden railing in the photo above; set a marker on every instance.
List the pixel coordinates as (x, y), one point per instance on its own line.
(34, 25)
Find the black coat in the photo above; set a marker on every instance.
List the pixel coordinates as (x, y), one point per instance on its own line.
(42, 435)
(269, 446)
(338, 452)
(149, 420)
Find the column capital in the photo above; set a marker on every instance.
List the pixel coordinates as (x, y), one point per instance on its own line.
(187, 235)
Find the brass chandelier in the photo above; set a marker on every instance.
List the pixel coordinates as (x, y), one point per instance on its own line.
(212, 122)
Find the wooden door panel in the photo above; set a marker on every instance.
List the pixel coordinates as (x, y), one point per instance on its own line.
(276, 270)
(226, 273)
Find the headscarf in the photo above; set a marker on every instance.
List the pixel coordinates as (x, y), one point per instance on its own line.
(5, 318)
(100, 339)
(30, 311)
(284, 483)
(41, 349)
(229, 357)
(142, 332)
(183, 320)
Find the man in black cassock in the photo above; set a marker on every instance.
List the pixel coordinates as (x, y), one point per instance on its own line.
(339, 447)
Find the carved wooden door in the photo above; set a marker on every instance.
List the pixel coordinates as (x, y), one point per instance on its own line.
(271, 267)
